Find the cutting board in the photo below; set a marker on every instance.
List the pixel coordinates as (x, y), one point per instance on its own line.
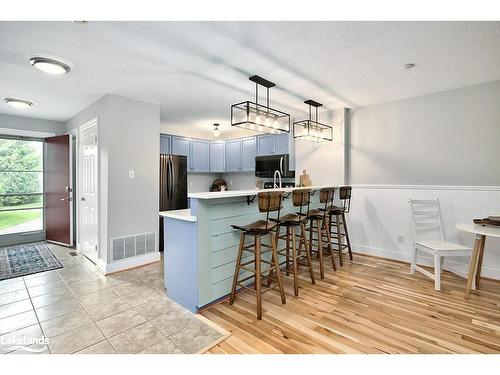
(304, 179)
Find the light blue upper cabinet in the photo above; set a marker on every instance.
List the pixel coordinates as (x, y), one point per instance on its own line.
(281, 143)
(217, 156)
(248, 153)
(200, 155)
(265, 144)
(233, 155)
(165, 144)
(182, 146)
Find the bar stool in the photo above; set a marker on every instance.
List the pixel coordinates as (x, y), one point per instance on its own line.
(293, 256)
(338, 227)
(319, 224)
(268, 202)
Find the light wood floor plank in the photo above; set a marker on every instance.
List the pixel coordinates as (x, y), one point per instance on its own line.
(371, 305)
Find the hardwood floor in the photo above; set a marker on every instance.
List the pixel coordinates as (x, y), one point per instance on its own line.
(370, 305)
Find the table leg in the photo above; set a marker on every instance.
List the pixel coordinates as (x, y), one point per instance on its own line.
(480, 261)
(473, 264)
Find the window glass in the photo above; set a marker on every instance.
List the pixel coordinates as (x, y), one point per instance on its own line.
(21, 185)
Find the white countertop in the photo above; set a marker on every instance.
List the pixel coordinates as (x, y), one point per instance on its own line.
(179, 214)
(243, 193)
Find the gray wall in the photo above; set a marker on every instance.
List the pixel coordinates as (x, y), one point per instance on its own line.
(240, 180)
(323, 162)
(31, 124)
(128, 140)
(446, 138)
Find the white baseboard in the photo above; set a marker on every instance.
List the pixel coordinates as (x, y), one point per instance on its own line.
(124, 264)
(101, 266)
(453, 266)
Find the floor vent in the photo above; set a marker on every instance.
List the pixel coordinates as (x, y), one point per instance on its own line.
(131, 246)
(73, 253)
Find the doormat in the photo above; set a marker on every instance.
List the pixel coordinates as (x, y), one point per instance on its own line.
(22, 260)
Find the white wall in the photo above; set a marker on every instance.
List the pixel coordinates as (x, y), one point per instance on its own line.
(447, 138)
(30, 124)
(128, 140)
(380, 213)
(324, 162)
(199, 182)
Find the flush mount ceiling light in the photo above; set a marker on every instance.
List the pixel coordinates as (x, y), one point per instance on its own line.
(49, 65)
(258, 117)
(312, 130)
(216, 131)
(18, 103)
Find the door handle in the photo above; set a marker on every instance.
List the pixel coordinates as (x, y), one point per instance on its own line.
(171, 177)
(82, 199)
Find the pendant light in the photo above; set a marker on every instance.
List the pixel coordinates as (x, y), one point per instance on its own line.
(259, 117)
(216, 131)
(312, 130)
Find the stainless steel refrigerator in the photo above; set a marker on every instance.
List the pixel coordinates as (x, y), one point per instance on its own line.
(173, 186)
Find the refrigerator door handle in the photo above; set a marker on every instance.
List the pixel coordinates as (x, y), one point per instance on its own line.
(170, 181)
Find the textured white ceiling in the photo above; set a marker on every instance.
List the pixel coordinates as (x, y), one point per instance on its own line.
(196, 70)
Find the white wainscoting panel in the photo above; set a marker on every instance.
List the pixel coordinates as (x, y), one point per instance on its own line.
(380, 214)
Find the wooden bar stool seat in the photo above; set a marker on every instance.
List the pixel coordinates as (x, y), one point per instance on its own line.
(268, 202)
(292, 256)
(259, 227)
(319, 224)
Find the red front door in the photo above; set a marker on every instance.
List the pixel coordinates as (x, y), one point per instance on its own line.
(58, 194)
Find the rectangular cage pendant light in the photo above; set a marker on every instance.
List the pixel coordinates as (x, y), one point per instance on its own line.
(259, 117)
(312, 130)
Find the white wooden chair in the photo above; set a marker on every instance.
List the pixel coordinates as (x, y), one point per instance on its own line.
(428, 236)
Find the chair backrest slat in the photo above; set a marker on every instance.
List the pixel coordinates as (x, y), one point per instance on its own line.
(301, 197)
(425, 217)
(270, 201)
(326, 196)
(345, 196)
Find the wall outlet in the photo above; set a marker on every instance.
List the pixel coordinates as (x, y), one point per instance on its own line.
(190, 183)
(230, 182)
(401, 238)
(131, 173)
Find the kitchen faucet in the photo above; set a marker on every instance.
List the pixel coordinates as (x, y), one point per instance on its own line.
(277, 172)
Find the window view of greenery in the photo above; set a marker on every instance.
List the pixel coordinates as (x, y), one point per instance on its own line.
(21, 186)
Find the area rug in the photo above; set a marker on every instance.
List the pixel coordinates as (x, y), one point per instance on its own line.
(22, 260)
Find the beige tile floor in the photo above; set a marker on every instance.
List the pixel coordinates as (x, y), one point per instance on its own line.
(79, 310)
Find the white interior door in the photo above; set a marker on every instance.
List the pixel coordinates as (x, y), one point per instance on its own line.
(88, 230)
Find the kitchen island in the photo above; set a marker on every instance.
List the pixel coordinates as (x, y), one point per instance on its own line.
(201, 246)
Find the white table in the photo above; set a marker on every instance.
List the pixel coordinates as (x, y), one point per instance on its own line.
(476, 260)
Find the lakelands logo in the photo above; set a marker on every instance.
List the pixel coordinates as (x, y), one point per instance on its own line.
(25, 344)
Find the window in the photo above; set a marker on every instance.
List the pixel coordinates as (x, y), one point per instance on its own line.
(21, 185)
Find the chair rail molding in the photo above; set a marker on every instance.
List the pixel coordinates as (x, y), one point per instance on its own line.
(379, 221)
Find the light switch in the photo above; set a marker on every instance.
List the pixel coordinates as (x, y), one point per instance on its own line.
(131, 173)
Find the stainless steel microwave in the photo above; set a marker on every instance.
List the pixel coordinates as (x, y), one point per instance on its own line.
(265, 166)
